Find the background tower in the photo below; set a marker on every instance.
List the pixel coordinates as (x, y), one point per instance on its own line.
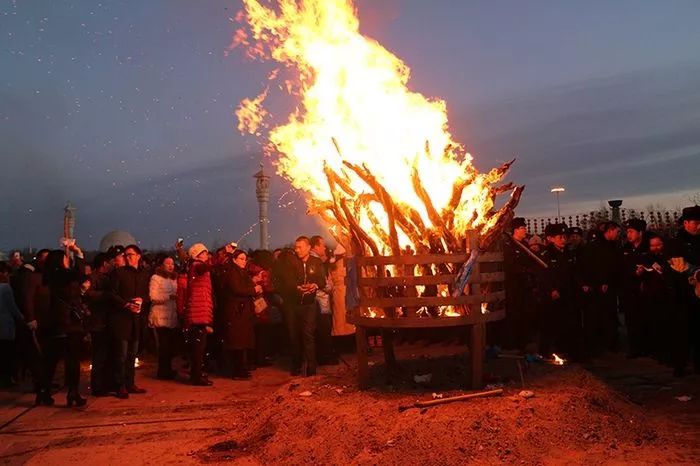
(262, 191)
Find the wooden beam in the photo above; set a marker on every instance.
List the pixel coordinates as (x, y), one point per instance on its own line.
(428, 279)
(362, 365)
(432, 300)
(427, 259)
(426, 322)
(476, 349)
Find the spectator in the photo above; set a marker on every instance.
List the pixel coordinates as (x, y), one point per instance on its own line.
(198, 312)
(68, 316)
(237, 313)
(99, 302)
(10, 317)
(536, 244)
(309, 277)
(325, 352)
(163, 315)
(635, 254)
(129, 294)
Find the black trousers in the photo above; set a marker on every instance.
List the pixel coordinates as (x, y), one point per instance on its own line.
(53, 349)
(124, 359)
(7, 361)
(324, 339)
(197, 343)
(302, 336)
(166, 350)
(638, 322)
(606, 306)
(100, 378)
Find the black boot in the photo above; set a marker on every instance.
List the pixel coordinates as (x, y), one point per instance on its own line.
(44, 398)
(74, 398)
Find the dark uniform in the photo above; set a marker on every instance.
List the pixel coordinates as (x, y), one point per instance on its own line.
(687, 246)
(561, 321)
(637, 318)
(602, 269)
(520, 322)
(660, 303)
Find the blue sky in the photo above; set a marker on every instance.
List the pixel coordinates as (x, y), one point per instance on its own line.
(125, 108)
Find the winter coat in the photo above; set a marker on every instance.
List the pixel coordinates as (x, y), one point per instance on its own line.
(36, 299)
(310, 271)
(163, 308)
(98, 301)
(127, 283)
(235, 302)
(9, 313)
(199, 303)
(67, 307)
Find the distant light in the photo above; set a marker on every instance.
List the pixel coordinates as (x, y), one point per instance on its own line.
(558, 189)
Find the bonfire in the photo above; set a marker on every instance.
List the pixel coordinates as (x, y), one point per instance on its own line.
(376, 161)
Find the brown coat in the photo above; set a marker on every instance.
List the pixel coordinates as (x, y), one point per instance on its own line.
(235, 301)
(340, 323)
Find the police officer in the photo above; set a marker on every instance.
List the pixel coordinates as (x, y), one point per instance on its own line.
(635, 254)
(519, 324)
(685, 262)
(561, 323)
(602, 269)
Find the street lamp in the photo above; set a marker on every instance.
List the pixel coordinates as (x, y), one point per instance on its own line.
(556, 191)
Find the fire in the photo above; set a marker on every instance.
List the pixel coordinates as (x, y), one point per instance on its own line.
(137, 363)
(557, 360)
(371, 154)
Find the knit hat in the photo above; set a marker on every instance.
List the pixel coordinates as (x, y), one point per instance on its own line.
(535, 240)
(196, 249)
(637, 224)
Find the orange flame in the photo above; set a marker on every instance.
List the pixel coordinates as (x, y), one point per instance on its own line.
(557, 360)
(356, 107)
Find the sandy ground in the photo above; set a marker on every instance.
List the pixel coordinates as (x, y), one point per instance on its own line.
(613, 411)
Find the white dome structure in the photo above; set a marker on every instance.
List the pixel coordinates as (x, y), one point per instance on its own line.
(116, 238)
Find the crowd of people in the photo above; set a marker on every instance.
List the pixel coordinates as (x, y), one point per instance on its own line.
(221, 311)
(233, 310)
(572, 291)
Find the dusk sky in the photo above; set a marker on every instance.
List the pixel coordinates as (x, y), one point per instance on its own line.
(125, 108)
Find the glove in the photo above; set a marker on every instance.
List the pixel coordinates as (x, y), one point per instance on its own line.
(32, 325)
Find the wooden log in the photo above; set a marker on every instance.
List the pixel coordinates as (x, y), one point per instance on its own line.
(451, 399)
(490, 256)
(433, 215)
(362, 364)
(476, 349)
(405, 301)
(428, 280)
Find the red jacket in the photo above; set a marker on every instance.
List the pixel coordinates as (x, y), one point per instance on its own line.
(199, 307)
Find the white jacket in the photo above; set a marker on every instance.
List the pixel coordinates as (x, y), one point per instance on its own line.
(163, 309)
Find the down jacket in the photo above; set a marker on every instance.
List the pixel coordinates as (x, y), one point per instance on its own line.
(199, 303)
(163, 308)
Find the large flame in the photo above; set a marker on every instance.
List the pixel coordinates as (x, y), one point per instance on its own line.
(356, 107)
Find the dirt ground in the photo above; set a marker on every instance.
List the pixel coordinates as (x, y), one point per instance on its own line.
(613, 411)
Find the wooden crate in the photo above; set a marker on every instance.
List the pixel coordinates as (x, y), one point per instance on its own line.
(374, 282)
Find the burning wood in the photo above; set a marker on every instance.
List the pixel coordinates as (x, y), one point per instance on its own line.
(376, 160)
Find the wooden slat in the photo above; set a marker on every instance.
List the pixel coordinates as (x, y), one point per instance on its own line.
(362, 363)
(496, 256)
(427, 279)
(476, 348)
(431, 300)
(425, 322)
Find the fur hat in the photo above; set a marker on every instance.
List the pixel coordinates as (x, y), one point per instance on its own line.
(517, 222)
(690, 213)
(554, 229)
(637, 224)
(196, 249)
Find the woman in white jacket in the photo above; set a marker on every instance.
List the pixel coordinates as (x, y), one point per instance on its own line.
(163, 316)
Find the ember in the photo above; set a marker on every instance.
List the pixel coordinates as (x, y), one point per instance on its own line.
(375, 159)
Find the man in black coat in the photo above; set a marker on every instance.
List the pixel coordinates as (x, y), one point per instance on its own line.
(602, 271)
(129, 294)
(310, 276)
(635, 253)
(99, 302)
(561, 322)
(685, 261)
(518, 266)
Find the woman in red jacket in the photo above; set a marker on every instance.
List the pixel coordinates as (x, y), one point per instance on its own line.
(198, 313)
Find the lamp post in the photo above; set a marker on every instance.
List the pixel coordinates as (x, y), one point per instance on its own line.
(556, 191)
